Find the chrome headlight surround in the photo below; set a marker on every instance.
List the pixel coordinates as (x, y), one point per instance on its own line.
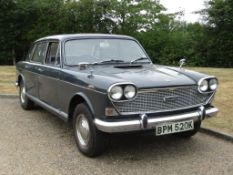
(128, 91)
(207, 85)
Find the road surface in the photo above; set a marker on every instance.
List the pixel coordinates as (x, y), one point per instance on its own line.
(36, 142)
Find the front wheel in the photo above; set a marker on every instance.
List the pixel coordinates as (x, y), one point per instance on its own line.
(191, 133)
(90, 141)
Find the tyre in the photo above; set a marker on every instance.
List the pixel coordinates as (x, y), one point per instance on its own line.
(25, 102)
(191, 133)
(90, 141)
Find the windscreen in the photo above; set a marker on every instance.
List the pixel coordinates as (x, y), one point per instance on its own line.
(97, 50)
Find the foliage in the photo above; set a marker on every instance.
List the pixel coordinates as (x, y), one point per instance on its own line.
(165, 39)
(219, 31)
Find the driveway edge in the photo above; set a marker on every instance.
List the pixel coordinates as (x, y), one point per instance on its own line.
(8, 96)
(217, 134)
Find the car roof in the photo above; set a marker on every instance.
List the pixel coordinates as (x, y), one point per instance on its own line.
(82, 36)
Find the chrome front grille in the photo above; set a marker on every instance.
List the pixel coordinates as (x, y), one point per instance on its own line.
(163, 99)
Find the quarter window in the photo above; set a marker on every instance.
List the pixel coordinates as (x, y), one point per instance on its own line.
(39, 53)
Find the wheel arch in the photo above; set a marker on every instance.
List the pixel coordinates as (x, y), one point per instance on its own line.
(20, 78)
(79, 98)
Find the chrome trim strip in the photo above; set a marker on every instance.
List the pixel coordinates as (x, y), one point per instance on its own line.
(57, 112)
(135, 125)
(45, 65)
(165, 88)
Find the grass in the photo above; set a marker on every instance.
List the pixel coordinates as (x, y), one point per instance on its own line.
(223, 99)
(7, 80)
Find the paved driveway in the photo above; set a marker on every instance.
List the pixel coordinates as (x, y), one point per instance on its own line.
(36, 142)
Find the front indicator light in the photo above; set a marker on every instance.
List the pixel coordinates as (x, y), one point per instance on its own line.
(109, 112)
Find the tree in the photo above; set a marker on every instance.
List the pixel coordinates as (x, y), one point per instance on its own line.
(219, 33)
(165, 39)
(7, 31)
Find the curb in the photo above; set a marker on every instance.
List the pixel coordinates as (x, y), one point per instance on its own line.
(217, 134)
(8, 96)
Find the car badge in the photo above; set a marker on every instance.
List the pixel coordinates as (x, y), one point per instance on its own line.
(168, 99)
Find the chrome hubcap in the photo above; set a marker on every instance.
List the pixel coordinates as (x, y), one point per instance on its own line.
(22, 96)
(82, 129)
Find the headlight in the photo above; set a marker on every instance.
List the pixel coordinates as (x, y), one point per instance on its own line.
(203, 86)
(116, 92)
(129, 91)
(213, 84)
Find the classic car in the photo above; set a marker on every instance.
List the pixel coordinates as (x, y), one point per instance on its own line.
(105, 84)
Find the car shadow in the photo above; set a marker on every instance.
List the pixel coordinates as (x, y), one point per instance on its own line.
(128, 147)
(137, 146)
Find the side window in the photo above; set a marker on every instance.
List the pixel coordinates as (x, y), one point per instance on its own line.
(39, 52)
(53, 55)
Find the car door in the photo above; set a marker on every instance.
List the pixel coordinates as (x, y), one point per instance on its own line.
(49, 75)
(31, 67)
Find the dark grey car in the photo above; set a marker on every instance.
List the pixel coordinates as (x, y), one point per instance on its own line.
(108, 84)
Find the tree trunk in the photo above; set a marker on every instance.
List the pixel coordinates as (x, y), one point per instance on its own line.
(13, 56)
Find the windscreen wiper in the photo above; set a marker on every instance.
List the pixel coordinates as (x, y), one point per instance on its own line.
(101, 62)
(139, 59)
(109, 61)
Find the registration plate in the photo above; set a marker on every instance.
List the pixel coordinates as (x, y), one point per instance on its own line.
(174, 127)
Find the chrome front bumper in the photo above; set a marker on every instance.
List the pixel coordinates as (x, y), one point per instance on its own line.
(145, 123)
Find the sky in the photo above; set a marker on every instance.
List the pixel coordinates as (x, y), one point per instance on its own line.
(188, 6)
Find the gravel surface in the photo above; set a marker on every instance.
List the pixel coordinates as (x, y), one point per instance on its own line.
(36, 142)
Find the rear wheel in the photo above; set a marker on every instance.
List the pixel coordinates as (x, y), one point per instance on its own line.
(90, 141)
(25, 102)
(191, 133)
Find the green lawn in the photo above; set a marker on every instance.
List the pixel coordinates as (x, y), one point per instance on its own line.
(223, 98)
(7, 80)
